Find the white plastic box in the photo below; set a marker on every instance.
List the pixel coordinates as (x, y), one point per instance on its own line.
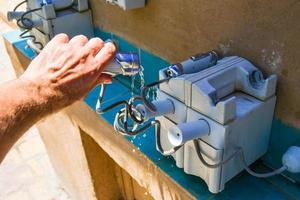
(238, 105)
(128, 4)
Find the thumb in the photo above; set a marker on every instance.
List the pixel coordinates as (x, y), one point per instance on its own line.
(105, 79)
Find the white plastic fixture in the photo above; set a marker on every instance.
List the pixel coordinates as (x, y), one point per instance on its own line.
(235, 104)
(128, 4)
(180, 134)
(72, 17)
(291, 159)
(163, 107)
(215, 118)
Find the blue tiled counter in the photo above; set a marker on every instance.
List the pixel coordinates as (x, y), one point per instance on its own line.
(243, 186)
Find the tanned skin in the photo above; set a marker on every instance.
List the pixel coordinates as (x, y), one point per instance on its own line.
(64, 72)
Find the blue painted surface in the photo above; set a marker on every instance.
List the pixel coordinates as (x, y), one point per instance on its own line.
(243, 186)
(13, 37)
(152, 64)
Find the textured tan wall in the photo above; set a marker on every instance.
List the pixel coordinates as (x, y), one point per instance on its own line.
(102, 169)
(266, 32)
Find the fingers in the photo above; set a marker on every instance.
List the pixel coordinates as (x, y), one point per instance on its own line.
(58, 39)
(94, 45)
(78, 41)
(105, 55)
(85, 47)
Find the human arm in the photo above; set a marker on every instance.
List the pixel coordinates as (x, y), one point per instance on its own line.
(64, 72)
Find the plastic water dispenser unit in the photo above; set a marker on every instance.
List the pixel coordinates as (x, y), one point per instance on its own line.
(226, 106)
(213, 116)
(43, 19)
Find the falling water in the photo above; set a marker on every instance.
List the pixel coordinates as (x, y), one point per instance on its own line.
(138, 78)
(132, 86)
(142, 78)
(151, 94)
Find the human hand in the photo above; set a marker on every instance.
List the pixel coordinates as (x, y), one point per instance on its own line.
(66, 70)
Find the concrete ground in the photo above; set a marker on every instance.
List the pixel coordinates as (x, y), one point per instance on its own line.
(26, 172)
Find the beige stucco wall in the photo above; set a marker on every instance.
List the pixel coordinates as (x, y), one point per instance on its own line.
(266, 32)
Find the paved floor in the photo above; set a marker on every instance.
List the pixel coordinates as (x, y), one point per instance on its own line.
(26, 173)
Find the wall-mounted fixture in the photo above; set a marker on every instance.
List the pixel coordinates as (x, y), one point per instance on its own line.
(43, 19)
(212, 115)
(128, 4)
(46, 18)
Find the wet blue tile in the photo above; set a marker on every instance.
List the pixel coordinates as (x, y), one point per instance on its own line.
(247, 187)
(114, 92)
(285, 185)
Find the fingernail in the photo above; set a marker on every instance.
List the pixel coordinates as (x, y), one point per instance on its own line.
(114, 42)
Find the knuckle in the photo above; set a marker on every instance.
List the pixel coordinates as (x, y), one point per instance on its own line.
(62, 36)
(64, 48)
(82, 37)
(84, 53)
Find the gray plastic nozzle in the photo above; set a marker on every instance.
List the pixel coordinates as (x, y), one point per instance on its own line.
(180, 134)
(11, 15)
(163, 107)
(194, 64)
